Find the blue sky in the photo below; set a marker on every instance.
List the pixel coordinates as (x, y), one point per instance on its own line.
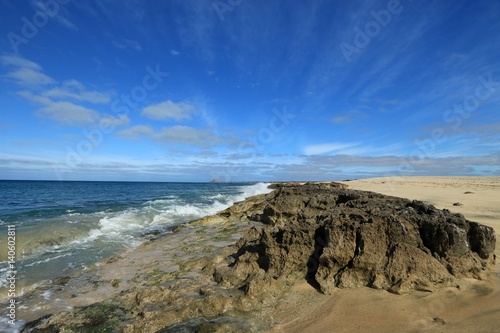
(248, 90)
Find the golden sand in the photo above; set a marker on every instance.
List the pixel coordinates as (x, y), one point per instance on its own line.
(471, 306)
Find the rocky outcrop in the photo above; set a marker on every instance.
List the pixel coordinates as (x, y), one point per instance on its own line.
(336, 237)
(323, 232)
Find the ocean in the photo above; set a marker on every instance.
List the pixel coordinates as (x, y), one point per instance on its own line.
(63, 228)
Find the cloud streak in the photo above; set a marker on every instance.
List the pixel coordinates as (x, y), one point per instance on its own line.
(124, 44)
(169, 110)
(327, 148)
(25, 72)
(179, 135)
(299, 168)
(62, 111)
(72, 89)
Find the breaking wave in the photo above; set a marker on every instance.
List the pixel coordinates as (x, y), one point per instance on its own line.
(76, 239)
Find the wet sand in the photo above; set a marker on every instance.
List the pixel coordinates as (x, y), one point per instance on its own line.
(471, 306)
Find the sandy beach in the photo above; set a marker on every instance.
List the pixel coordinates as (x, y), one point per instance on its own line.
(472, 306)
(168, 274)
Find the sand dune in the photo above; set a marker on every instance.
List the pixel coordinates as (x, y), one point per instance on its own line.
(471, 306)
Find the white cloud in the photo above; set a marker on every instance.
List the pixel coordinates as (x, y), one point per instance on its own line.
(29, 77)
(327, 148)
(191, 167)
(169, 110)
(61, 102)
(121, 120)
(174, 52)
(18, 61)
(62, 111)
(178, 135)
(445, 165)
(72, 89)
(25, 72)
(68, 113)
(349, 117)
(136, 132)
(189, 136)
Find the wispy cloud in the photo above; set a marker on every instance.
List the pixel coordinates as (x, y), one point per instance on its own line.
(72, 89)
(25, 72)
(179, 135)
(18, 61)
(62, 111)
(137, 132)
(169, 110)
(127, 44)
(118, 121)
(66, 23)
(327, 148)
(60, 14)
(203, 167)
(349, 117)
(195, 27)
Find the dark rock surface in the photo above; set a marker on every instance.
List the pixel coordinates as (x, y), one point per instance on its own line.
(323, 232)
(343, 238)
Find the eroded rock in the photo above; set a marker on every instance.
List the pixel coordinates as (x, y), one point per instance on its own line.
(343, 238)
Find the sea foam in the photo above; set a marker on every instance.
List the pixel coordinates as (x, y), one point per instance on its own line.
(79, 239)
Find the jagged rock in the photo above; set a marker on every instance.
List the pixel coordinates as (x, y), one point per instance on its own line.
(337, 237)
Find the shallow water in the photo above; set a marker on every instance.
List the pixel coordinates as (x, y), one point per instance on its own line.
(63, 228)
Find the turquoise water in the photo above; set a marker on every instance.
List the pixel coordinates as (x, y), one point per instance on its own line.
(63, 228)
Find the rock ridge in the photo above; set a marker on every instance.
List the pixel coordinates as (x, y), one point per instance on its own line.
(341, 238)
